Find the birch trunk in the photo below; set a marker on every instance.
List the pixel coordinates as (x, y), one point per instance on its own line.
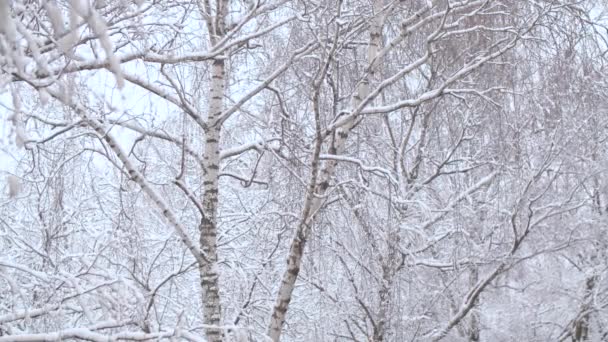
(383, 306)
(314, 197)
(391, 265)
(209, 270)
(212, 308)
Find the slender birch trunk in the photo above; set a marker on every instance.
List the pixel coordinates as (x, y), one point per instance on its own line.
(212, 308)
(319, 185)
(209, 270)
(391, 265)
(383, 306)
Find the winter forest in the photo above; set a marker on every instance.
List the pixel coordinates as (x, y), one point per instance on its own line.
(303, 170)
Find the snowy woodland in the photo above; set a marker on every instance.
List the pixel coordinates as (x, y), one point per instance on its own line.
(303, 170)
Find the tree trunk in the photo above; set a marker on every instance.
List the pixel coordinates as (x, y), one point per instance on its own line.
(208, 229)
(209, 270)
(474, 329)
(581, 326)
(317, 189)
